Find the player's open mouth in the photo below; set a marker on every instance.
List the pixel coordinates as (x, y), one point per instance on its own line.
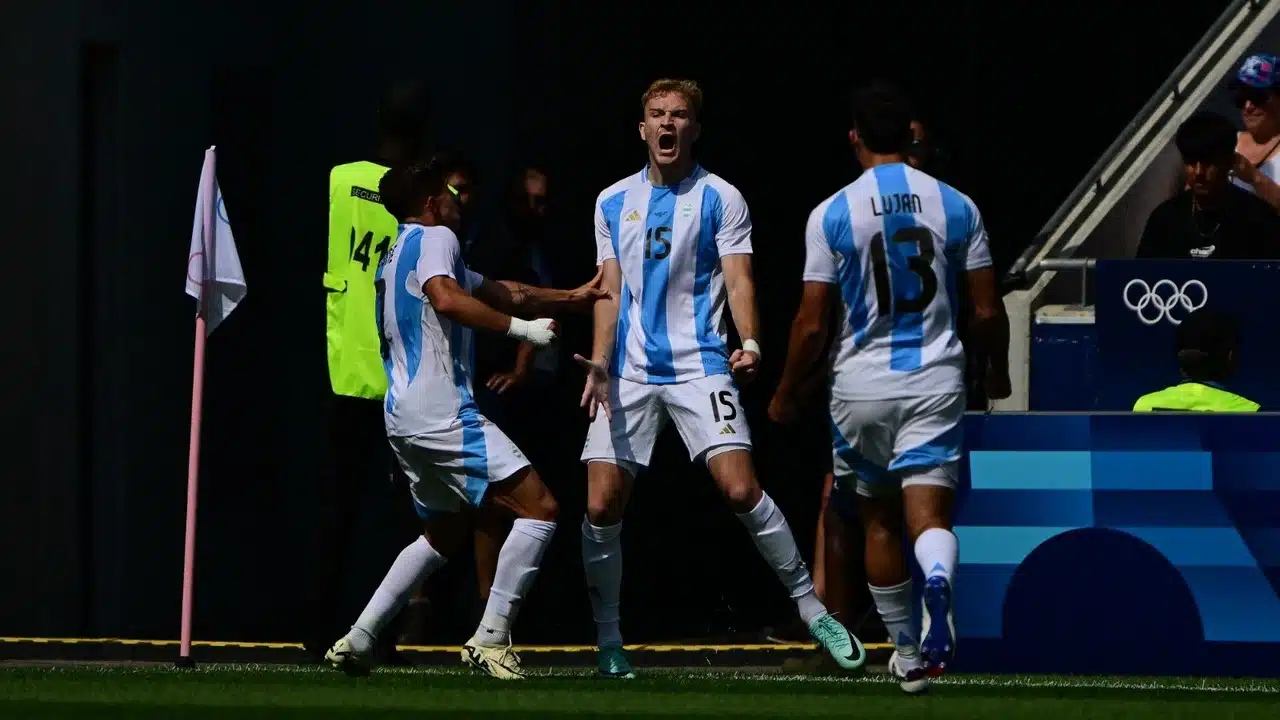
(667, 141)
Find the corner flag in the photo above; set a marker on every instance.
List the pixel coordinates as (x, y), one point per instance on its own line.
(216, 281)
(214, 275)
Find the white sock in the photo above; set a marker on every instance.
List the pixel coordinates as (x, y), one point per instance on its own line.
(518, 563)
(602, 563)
(777, 546)
(937, 552)
(415, 563)
(894, 605)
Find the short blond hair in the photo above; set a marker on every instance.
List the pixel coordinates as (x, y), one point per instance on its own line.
(686, 88)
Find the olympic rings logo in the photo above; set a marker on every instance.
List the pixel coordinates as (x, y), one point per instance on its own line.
(1164, 296)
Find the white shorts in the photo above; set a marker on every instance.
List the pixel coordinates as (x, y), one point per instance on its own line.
(889, 444)
(450, 467)
(706, 412)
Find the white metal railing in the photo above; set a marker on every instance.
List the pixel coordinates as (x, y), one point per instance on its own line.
(1190, 85)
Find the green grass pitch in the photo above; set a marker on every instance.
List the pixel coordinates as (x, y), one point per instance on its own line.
(239, 692)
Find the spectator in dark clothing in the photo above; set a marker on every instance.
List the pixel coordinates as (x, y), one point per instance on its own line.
(501, 364)
(1211, 218)
(526, 216)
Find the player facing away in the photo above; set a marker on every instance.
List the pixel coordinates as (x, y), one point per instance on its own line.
(887, 251)
(428, 303)
(672, 241)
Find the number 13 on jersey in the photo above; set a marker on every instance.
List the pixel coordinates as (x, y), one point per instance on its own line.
(892, 288)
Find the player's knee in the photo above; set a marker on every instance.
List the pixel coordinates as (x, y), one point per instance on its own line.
(606, 486)
(880, 535)
(742, 495)
(927, 497)
(603, 510)
(734, 474)
(544, 506)
(546, 510)
(921, 522)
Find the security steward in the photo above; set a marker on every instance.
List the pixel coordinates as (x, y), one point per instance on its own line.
(1208, 345)
(361, 232)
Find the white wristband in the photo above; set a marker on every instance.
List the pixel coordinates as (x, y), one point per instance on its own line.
(752, 346)
(519, 329)
(540, 332)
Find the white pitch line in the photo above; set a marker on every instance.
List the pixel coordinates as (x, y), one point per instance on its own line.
(1205, 685)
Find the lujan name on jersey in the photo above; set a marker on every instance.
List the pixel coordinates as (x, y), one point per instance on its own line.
(894, 243)
(427, 357)
(668, 241)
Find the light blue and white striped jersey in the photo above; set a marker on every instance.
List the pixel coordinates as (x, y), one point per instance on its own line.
(428, 357)
(669, 241)
(894, 242)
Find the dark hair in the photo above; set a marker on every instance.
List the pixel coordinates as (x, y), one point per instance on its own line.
(404, 117)
(1206, 137)
(882, 116)
(454, 161)
(1204, 340)
(405, 189)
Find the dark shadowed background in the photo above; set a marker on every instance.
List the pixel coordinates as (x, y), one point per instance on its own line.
(108, 107)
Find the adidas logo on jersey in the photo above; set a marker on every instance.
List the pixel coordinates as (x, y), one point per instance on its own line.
(633, 216)
(728, 430)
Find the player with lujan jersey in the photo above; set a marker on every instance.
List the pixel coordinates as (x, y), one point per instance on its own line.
(428, 302)
(672, 241)
(887, 251)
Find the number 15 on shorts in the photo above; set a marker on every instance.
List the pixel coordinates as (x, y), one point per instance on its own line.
(723, 411)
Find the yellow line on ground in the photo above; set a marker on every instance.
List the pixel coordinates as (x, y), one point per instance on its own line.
(663, 647)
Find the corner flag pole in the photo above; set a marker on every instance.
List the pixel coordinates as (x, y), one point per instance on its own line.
(208, 194)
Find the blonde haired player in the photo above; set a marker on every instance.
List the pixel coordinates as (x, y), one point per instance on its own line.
(673, 242)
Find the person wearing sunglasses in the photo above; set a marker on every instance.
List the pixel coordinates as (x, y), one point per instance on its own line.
(1256, 92)
(428, 307)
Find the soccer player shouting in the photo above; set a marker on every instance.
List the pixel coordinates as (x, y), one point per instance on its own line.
(670, 241)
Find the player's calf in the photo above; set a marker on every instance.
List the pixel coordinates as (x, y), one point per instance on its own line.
(890, 582)
(354, 652)
(773, 539)
(608, 488)
(928, 509)
(518, 561)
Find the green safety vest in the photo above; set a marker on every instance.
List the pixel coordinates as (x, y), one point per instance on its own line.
(361, 232)
(1193, 397)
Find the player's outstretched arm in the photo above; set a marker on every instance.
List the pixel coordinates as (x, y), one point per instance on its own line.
(450, 300)
(523, 299)
(990, 330)
(595, 394)
(742, 305)
(804, 351)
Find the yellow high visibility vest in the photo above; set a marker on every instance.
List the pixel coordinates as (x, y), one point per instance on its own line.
(361, 232)
(1194, 397)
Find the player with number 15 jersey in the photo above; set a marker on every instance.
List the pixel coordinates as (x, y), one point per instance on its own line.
(674, 247)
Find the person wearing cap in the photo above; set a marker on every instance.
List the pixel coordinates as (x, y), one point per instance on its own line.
(1256, 91)
(1210, 218)
(1208, 345)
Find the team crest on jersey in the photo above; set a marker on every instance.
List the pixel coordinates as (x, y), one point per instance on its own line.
(633, 216)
